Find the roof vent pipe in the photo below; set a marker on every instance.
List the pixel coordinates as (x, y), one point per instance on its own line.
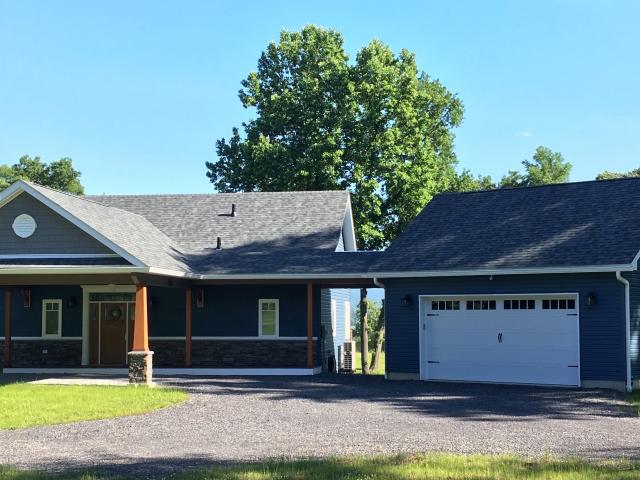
(233, 209)
(218, 243)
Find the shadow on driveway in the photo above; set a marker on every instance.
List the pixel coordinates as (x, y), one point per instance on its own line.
(440, 399)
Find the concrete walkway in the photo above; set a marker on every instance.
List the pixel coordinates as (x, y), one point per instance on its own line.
(247, 419)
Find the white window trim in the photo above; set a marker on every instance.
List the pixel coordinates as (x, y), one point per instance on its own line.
(268, 300)
(334, 316)
(44, 317)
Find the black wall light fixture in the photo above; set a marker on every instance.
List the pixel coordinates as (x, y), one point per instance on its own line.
(592, 299)
(407, 301)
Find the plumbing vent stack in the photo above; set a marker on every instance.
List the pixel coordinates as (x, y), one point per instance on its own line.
(218, 243)
(233, 209)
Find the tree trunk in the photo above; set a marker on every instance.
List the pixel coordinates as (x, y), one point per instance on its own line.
(375, 362)
(364, 333)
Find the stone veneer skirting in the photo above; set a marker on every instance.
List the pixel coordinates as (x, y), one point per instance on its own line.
(251, 353)
(171, 353)
(45, 353)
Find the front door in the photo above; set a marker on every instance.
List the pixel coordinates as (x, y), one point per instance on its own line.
(113, 334)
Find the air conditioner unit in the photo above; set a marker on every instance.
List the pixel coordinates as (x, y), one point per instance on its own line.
(347, 353)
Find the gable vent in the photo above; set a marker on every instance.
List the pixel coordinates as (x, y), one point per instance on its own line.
(24, 225)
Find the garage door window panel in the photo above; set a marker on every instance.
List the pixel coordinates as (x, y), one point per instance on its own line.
(481, 304)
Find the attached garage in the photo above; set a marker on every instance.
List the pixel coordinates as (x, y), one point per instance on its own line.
(534, 285)
(530, 339)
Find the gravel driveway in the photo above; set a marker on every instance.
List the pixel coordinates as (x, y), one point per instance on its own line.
(244, 419)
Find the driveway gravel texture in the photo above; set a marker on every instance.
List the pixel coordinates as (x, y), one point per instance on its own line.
(229, 420)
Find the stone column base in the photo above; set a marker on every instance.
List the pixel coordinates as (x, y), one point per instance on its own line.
(140, 368)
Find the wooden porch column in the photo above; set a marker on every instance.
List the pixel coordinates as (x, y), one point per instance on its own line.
(187, 329)
(141, 322)
(8, 320)
(309, 325)
(141, 358)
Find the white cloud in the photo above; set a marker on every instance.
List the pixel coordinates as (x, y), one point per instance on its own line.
(526, 134)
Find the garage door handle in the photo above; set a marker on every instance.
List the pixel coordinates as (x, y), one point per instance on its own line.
(572, 366)
(432, 361)
(432, 315)
(500, 338)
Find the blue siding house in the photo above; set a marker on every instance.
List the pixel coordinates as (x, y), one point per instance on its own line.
(248, 283)
(535, 285)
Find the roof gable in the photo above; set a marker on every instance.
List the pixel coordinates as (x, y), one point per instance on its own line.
(53, 236)
(568, 225)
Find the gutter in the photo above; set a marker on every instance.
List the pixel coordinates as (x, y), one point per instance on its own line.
(627, 330)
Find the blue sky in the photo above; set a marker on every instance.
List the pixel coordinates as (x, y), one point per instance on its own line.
(138, 92)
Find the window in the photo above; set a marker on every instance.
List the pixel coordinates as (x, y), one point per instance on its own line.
(51, 318)
(559, 304)
(445, 305)
(347, 320)
(521, 304)
(334, 322)
(268, 319)
(481, 304)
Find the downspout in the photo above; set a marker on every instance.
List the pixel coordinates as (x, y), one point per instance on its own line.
(378, 283)
(627, 330)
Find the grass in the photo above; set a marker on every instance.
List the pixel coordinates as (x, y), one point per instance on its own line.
(634, 398)
(379, 371)
(427, 466)
(24, 405)
(433, 466)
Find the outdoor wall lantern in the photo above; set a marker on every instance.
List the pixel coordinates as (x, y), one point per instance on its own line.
(71, 302)
(591, 299)
(407, 301)
(26, 298)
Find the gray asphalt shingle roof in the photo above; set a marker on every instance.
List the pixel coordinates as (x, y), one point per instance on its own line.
(567, 225)
(132, 232)
(272, 232)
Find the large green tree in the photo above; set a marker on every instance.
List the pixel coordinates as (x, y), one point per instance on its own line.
(59, 174)
(377, 126)
(607, 175)
(547, 167)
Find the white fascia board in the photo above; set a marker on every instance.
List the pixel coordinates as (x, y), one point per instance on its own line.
(46, 256)
(22, 186)
(66, 270)
(506, 271)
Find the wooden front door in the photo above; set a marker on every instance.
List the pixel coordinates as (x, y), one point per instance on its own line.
(113, 334)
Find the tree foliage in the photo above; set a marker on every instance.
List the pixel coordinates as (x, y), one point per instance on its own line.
(546, 168)
(378, 126)
(374, 321)
(59, 174)
(606, 175)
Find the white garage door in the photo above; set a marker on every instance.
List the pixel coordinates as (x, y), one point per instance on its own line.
(511, 339)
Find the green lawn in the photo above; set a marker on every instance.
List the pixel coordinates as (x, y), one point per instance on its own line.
(24, 405)
(635, 400)
(380, 370)
(428, 466)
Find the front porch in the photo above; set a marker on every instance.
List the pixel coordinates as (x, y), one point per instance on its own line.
(181, 328)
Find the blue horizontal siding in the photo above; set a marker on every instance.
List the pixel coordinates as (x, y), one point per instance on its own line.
(232, 310)
(602, 326)
(27, 321)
